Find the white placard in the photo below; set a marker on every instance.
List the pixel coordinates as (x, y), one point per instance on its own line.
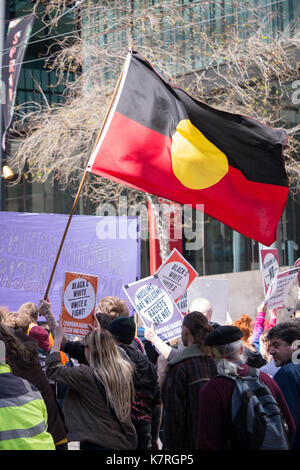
(269, 266)
(182, 304)
(280, 287)
(177, 274)
(79, 298)
(216, 292)
(153, 304)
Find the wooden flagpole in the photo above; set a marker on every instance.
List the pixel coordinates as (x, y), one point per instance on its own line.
(81, 186)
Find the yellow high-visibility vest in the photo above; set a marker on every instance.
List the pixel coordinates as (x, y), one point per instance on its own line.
(23, 415)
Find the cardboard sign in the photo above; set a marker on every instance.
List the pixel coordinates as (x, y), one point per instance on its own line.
(269, 265)
(176, 274)
(182, 304)
(216, 292)
(78, 303)
(280, 287)
(154, 305)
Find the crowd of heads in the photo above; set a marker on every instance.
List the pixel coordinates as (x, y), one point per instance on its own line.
(227, 344)
(113, 315)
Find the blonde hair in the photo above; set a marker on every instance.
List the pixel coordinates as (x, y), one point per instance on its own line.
(17, 320)
(113, 307)
(228, 356)
(30, 309)
(113, 367)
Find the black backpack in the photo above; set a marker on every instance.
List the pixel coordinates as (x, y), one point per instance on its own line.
(257, 422)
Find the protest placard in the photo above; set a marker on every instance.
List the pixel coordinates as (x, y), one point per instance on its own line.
(216, 292)
(182, 304)
(176, 274)
(154, 305)
(269, 266)
(280, 287)
(78, 303)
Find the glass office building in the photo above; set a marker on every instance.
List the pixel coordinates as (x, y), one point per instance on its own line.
(37, 87)
(224, 250)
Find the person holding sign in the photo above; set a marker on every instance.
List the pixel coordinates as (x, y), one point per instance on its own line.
(98, 399)
(261, 324)
(168, 352)
(111, 307)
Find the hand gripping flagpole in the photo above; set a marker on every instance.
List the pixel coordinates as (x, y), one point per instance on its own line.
(81, 186)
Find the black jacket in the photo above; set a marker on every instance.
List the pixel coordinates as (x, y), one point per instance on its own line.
(254, 359)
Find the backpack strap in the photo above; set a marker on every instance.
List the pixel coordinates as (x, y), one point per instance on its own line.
(202, 379)
(232, 377)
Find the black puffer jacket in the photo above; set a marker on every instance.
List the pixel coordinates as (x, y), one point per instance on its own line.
(254, 359)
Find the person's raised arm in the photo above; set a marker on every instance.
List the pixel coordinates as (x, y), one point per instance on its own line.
(44, 310)
(59, 334)
(273, 318)
(162, 347)
(259, 324)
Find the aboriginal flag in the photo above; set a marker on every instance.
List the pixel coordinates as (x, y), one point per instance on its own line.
(160, 140)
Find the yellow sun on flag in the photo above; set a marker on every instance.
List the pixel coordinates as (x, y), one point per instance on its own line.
(196, 162)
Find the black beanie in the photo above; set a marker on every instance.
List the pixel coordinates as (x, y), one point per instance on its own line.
(223, 335)
(122, 329)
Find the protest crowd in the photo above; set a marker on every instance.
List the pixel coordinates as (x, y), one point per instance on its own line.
(218, 387)
(188, 383)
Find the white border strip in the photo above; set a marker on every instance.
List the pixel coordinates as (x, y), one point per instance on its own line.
(111, 113)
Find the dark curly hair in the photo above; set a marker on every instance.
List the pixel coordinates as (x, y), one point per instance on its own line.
(287, 331)
(16, 352)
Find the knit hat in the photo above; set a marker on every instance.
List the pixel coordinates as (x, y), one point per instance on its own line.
(41, 336)
(223, 335)
(122, 329)
(103, 320)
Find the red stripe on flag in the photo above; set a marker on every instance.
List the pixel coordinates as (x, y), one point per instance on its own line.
(137, 156)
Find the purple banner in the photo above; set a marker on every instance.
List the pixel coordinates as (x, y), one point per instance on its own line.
(153, 304)
(108, 247)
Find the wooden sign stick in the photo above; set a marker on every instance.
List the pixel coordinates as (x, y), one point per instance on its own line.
(80, 188)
